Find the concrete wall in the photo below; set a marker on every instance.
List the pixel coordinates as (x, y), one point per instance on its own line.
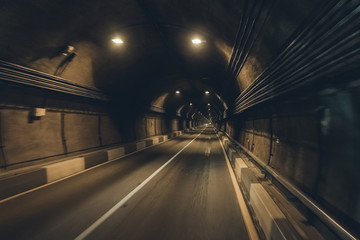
(312, 141)
(61, 132)
(22, 140)
(81, 131)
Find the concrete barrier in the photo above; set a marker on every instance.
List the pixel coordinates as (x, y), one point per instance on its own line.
(21, 183)
(155, 140)
(93, 159)
(52, 172)
(63, 169)
(130, 147)
(115, 153)
(149, 142)
(271, 220)
(232, 155)
(140, 145)
(239, 165)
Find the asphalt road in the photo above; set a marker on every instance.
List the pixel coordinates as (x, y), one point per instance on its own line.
(192, 197)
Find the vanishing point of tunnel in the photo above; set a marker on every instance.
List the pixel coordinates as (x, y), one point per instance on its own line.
(179, 119)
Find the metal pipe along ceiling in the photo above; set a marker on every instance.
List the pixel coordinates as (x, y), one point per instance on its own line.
(329, 43)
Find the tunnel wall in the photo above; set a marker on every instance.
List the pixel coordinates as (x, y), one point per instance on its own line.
(62, 132)
(312, 141)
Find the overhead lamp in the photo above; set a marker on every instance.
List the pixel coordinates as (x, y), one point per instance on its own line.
(196, 41)
(117, 41)
(208, 104)
(207, 92)
(177, 92)
(190, 104)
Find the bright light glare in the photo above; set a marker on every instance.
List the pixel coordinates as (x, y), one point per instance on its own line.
(190, 104)
(177, 92)
(208, 104)
(196, 41)
(117, 41)
(207, 92)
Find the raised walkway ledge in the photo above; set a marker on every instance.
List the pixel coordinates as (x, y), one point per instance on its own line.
(17, 181)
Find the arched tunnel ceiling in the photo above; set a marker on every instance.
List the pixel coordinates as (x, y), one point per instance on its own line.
(157, 56)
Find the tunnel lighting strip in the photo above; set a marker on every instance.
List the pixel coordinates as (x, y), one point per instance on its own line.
(250, 227)
(110, 212)
(331, 223)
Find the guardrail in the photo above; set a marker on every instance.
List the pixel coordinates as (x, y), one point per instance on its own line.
(312, 206)
(14, 73)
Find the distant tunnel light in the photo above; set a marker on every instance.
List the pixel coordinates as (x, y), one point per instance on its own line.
(117, 41)
(196, 41)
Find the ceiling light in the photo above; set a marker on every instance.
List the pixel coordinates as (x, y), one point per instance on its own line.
(207, 92)
(117, 41)
(208, 104)
(177, 92)
(190, 104)
(196, 41)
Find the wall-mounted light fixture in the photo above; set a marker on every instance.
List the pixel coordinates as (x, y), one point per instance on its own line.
(36, 114)
(68, 50)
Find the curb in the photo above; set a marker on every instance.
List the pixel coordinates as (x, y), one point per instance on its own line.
(23, 182)
(270, 218)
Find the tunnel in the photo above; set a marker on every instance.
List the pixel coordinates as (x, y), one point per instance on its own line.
(202, 119)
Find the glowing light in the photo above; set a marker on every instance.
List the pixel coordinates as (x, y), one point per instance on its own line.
(190, 104)
(117, 41)
(196, 41)
(208, 104)
(177, 92)
(207, 92)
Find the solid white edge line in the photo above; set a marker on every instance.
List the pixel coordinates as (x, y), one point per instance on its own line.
(103, 218)
(250, 227)
(83, 171)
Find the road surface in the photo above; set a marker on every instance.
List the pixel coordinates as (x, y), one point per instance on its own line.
(187, 194)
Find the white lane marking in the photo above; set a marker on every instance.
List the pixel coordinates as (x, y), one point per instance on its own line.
(245, 212)
(102, 219)
(207, 151)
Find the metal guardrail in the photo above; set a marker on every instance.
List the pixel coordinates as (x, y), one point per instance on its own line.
(14, 73)
(311, 205)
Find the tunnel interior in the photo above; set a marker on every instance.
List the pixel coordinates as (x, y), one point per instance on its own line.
(280, 77)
